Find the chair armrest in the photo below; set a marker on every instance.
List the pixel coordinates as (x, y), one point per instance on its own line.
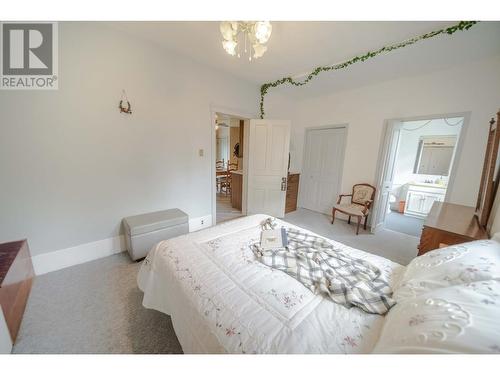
(343, 195)
(368, 203)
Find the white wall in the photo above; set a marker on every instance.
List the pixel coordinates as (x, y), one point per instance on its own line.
(72, 166)
(472, 87)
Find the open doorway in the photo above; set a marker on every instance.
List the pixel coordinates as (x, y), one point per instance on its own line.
(419, 167)
(229, 168)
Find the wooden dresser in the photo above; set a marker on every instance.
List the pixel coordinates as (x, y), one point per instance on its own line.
(16, 275)
(292, 192)
(449, 224)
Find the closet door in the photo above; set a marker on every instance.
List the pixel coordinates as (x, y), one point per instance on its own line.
(323, 162)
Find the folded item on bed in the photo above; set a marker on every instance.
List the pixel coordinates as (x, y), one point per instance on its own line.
(325, 269)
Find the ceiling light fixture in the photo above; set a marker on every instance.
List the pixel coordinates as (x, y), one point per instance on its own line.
(255, 34)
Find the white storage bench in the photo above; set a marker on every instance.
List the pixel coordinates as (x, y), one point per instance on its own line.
(142, 232)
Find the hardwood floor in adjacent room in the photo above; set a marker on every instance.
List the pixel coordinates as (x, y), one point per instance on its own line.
(225, 211)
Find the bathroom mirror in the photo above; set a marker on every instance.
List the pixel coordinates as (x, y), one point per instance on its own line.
(434, 155)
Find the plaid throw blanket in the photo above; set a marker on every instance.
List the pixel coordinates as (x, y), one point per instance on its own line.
(324, 269)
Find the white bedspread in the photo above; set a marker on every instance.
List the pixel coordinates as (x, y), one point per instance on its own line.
(222, 300)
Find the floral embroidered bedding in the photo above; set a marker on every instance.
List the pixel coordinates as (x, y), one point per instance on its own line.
(223, 300)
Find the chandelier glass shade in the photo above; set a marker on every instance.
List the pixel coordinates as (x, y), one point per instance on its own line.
(245, 36)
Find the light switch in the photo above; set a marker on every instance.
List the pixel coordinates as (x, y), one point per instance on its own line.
(201, 152)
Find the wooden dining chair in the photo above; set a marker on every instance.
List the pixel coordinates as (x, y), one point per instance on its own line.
(361, 201)
(232, 166)
(220, 164)
(226, 181)
(219, 167)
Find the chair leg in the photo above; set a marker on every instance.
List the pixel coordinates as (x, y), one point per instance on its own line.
(357, 227)
(349, 220)
(333, 215)
(366, 219)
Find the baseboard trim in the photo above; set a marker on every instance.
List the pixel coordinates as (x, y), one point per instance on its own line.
(59, 259)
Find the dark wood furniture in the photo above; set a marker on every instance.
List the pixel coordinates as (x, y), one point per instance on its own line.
(292, 192)
(489, 178)
(236, 189)
(449, 224)
(361, 200)
(241, 137)
(16, 275)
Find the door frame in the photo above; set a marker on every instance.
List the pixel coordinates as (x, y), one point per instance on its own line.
(213, 109)
(304, 154)
(383, 155)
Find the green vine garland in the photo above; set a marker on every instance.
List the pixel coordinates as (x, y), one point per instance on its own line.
(463, 25)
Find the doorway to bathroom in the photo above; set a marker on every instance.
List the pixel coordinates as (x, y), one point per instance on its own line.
(420, 155)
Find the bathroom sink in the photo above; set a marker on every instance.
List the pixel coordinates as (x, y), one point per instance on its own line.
(427, 184)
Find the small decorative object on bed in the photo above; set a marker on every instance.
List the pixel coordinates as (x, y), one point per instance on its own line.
(273, 239)
(361, 201)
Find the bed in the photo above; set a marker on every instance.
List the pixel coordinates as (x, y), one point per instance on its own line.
(222, 300)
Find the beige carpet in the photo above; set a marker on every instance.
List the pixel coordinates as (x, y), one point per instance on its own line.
(398, 247)
(404, 224)
(96, 307)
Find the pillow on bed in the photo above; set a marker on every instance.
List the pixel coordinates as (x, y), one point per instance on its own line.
(453, 265)
(458, 319)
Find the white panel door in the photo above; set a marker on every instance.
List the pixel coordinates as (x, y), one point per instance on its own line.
(323, 162)
(384, 188)
(269, 143)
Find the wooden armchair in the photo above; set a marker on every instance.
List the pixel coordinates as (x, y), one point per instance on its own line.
(361, 200)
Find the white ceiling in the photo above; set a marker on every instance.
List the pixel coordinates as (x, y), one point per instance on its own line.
(298, 47)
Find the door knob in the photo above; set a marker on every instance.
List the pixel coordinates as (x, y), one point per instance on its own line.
(283, 184)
